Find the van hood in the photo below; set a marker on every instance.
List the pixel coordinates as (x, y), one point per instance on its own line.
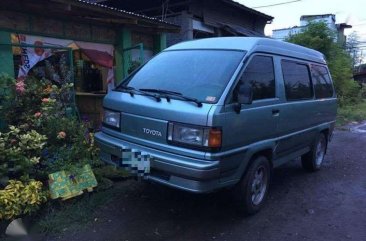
(145, 121)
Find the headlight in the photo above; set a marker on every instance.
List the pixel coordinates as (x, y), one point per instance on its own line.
(112, 118)
(192, 135)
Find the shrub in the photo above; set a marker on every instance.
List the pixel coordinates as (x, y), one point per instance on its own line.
(20, 151)
(20, 198)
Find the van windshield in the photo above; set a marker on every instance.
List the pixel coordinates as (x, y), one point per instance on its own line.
(198, 74)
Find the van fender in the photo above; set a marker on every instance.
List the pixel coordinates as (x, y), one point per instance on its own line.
(252, 150)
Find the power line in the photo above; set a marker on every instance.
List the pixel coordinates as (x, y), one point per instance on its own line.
(277, 4)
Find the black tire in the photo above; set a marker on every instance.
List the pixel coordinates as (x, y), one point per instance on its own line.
(313, 160)
(243, 192)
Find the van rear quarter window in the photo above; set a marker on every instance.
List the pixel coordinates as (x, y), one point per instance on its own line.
(322, 82)
(297, 80)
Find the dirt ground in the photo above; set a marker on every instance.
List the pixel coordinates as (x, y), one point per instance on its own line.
(327, 205)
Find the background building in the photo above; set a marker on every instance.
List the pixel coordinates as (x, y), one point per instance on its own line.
(359, 74)
(200, 18)
(329, 19)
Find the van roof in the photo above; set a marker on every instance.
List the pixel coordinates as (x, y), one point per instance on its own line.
(252, 44)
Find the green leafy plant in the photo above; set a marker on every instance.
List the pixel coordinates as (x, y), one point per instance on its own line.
(350, 113)
(20, 151)
(20, 198)
(70, 145)
(20, 108)
(6, 80)
(6, 94)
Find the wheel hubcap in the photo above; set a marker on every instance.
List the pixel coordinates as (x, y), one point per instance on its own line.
(320, 152)
(259, 185)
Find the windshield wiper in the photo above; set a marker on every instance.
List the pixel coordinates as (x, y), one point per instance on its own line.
(132, 90)
(160, 91)
(125, 89)
(175, 94)
(163, 93)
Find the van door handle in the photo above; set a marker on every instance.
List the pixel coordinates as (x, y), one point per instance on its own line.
(275, 112)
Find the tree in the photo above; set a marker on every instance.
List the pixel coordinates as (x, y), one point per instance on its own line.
(318, 36)
(354, 49)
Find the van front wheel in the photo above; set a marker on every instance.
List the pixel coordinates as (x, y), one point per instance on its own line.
(313, 160)
(251, 192)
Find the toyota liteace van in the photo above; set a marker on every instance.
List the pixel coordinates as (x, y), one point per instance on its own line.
(221, 112)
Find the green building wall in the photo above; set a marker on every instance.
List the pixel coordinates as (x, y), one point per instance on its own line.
(6, 54)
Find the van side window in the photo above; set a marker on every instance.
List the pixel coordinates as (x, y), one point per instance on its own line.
(297, 80)
(260, 74)
(322, 82)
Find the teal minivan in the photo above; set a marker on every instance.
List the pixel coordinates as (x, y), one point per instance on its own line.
(221, 112)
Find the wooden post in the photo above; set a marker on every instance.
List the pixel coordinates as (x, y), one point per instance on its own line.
(160, 43)
(127, 43)
(122, 58)
(118, 58)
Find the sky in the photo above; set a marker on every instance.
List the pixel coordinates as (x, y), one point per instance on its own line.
(352, 12)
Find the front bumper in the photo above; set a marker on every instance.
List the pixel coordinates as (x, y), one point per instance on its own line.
(190, 174)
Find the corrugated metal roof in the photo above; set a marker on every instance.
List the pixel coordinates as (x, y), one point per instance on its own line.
(231, 2)
(241, 31)
(125, 12)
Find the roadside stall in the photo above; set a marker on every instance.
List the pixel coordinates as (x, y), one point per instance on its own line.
(92, 63)
(99, 44)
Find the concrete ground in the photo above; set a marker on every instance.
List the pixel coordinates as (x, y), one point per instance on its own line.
(326, 205)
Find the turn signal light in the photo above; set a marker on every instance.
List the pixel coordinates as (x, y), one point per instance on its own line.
(214, 139)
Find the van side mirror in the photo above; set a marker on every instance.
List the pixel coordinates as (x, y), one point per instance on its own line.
(244, 96)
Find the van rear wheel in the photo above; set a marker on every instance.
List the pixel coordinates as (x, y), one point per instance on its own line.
(313, 160)
(251, 192)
